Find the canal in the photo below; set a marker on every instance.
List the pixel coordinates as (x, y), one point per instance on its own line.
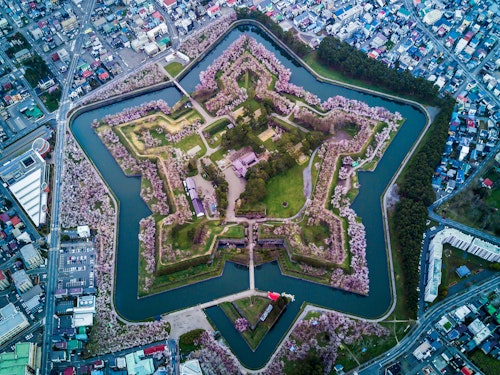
(267, 277)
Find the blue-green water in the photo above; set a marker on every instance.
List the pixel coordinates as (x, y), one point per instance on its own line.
(267, 277)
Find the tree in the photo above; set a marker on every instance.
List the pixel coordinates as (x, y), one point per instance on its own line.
(255, 190)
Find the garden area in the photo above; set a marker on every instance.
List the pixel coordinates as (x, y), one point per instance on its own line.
(254, 316)
(174, 68)
(454, 258)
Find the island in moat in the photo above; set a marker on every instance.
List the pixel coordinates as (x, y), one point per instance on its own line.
(243, 170)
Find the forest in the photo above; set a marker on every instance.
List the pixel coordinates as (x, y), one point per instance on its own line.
(416, 194)
(348, 60)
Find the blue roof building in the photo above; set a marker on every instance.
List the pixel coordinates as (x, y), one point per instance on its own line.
(463, 271)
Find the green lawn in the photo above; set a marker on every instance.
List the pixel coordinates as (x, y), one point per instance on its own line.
(186, 340)
(218, 155)
(235, 231)
(316, 234)
(494, 198)
(252, 307)
(287, 187)
(217, 126)
(253, 338)
(454, 258)
(51, 101)
(174, 68)
(187, 143)
(489, 365)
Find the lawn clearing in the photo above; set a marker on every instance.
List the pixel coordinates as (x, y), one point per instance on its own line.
(252, 307)
(235, 231)
(286, 187)
(174, 68)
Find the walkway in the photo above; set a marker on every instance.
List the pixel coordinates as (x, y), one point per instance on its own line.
(251, 245)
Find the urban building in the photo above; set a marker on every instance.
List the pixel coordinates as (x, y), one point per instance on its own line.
(4, 283)
(12, 322)
(31, 256)
(27, 178)
(485, 250)
(22, 281)
(22, 361)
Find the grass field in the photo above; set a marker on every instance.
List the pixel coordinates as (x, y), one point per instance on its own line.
(235, 231)
(287, 187)
(489, 365)
(174, 68)
(454, 258)
(187, 143)
(253, 338)
(316, 234)
(252, 307)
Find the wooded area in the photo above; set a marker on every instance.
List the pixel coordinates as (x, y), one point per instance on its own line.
(353, 63)
(416, 194)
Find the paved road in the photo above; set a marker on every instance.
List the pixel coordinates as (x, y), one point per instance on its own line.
(429, 319)
(61, 120)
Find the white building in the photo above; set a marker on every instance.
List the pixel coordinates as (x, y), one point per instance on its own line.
(27, 178)
(454, 238)
(31, 256)
(22, 281)
(485, 250)
(11, 322)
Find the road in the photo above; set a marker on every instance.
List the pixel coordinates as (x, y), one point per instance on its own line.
(449, 55)
(61, 123)
(430, 317)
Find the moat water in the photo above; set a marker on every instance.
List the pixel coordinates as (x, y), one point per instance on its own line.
(267, 277)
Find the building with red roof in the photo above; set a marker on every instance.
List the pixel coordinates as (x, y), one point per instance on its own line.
(487, 183)
(169, 4)
(15, 221)
(154, 349)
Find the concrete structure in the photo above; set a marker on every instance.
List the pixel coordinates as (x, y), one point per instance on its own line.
(137, 364)
(21, 361)
(462, 241)
(11, 323)
(22, 281)
(83, 320)
(27, 178)
(85, 304)
(31, 256)
(69, 24)
(485, 250)
(453, 237)
(4, 283)
(191, 367)
(83, 231)
(190, 187)
(41, 146)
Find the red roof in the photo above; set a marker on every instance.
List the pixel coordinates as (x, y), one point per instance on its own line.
(157, 15)
(86, 74)
(103, 76)
(69, 371)
(466, 371)
(15, 220)
(2, 275)
(154, 349)
(488, 183)
(169, 2)
(273, 295)
(55, 56)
